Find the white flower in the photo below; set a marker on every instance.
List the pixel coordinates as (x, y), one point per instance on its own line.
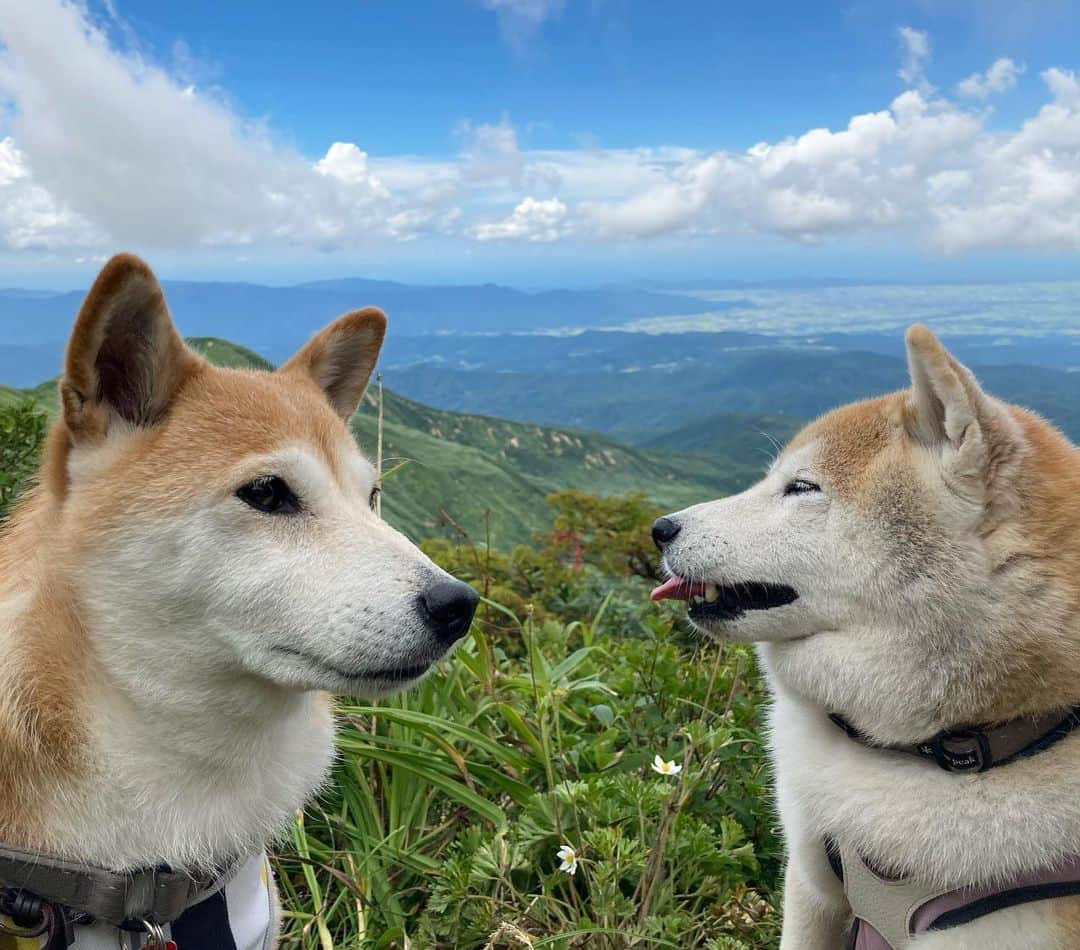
(665, 768)
(568, 857)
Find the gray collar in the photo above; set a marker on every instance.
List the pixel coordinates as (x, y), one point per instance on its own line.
(154, 896)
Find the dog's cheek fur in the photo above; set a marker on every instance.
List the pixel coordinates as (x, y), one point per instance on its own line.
(43, 733)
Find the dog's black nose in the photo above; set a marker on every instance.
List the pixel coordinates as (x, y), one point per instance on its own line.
(664, 531)
(448, 606)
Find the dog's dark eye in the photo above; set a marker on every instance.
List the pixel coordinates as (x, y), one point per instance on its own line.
(800, 486)
(374, 497)
(270, 494)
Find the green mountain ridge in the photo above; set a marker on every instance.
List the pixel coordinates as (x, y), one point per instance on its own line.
(488, 476)
(645, 405)
(751, 439)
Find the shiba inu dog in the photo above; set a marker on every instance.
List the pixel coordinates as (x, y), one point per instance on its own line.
(198, 569)
(910, 567)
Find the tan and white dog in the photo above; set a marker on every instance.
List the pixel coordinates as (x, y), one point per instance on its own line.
(911, 565)
(197, 571)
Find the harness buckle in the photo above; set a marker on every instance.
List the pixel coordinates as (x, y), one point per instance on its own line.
(961, 751)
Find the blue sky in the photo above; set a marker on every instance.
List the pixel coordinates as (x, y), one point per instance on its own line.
(540, 141)
(399, 77)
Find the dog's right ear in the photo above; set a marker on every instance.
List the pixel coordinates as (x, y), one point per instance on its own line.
(976, 436)
(341, 358)
(125, 361)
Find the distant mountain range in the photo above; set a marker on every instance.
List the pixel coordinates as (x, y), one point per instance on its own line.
(681, 417)
(715, 399)
(276, 320)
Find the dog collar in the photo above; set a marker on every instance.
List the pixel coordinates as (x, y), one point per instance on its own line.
(979, 748)
(58, 892)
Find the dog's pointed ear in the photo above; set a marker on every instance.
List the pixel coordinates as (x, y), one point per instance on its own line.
(125, 359)
(341, 357)
(948, 409)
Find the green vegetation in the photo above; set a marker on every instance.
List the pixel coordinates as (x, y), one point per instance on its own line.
(744, 443)
(224, 353)
(451, 804)
(44, 396)
(22, 434)
(489, 476)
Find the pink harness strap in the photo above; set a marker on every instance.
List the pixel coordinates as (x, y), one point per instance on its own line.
(970, 903)
(866, 938)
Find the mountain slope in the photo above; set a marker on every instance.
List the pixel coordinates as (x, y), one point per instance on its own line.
(485, 474)
(464, 465)
(742, 440)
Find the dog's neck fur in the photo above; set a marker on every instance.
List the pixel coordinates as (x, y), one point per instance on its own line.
(135, 771)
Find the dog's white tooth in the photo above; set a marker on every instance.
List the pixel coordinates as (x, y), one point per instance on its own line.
(711, 593)
(698, 599)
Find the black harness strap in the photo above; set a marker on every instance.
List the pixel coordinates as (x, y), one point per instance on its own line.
(1010, 898)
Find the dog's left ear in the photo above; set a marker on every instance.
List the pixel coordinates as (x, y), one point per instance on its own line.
(341, 358)
(124, 361)
(947, 409)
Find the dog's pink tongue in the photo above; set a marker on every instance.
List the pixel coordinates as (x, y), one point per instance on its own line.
(677, 589)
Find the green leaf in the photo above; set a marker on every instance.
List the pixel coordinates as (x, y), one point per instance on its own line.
(604, 714)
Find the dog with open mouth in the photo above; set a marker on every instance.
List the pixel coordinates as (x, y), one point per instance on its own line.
(910, 569)
(199, 567)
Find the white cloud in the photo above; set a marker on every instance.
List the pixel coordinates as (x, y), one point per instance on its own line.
(102, 148)
(1000, 77)
(148, 160)
(1023, 188)
(29, 216)
(346, 163)
(925, 168)
(1064, 86)
(803, 187)
(519, 19)
(490, 152)
(531, 220)
(916, 48)
(536, 11)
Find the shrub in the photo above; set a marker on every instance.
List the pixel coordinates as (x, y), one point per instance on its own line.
(22, 435)
(451, 803)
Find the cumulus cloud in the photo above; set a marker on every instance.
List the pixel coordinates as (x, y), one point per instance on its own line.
(121, 143)
(1000, 77)
(531, 220)
(803, 187)
(346, 163)
(924, 167)
(1021, 189)
(101, 147)
(29, 216)
(1064, 86)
